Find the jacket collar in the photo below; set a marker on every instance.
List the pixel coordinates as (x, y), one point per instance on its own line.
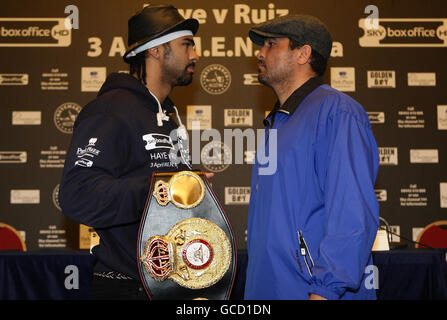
(294, 100)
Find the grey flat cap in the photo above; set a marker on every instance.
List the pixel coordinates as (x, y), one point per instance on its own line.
(304, 29)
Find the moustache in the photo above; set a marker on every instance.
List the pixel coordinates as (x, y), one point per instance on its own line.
(192, 64)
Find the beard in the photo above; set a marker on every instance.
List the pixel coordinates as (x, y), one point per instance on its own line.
(263, 79)
(173, 72)
(263, 74)
(176, 75)
(186, 77)
(277, 75)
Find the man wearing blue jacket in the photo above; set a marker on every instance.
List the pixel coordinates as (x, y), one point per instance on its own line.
(122, 137)
(312, 223)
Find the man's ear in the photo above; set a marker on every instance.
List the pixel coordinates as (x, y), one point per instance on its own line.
(303, 54)
(153, 52)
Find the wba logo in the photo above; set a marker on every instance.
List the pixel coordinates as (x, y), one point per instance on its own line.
(34, 32)
(405, 33)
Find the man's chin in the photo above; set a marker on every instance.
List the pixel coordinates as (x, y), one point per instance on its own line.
(263, 80)
(185, 80)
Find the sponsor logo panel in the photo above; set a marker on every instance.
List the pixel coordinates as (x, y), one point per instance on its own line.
(25, 196)
(201, 114)
(381, 195)
(443, 194)
(92, 78)
(343, 79)
(238, 117)
(14, 79)
(424, 156)
(388, 156)
(13, 156)
(215, 79)
(421, 79)
(34, 32)
(442, 117)
(65, 116)
(237, 195)
(376, 117)
(415, 232)
(405, 33)
(30, 118)
(251, 79)
(381, 79)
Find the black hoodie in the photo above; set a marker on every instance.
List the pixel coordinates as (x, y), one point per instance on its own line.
(117, 144)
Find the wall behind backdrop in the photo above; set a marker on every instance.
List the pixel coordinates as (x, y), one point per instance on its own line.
(396, 70)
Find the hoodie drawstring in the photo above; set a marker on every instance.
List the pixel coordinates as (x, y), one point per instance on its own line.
(183, 141)
(181, 131)
(161, 115)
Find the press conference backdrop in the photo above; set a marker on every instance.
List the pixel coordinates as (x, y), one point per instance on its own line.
(394, 66)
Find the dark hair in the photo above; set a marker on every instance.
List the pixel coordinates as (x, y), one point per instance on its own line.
(138, 63)
(317, 61)
(138, 66)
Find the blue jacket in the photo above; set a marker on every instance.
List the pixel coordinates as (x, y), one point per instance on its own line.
(313, 222)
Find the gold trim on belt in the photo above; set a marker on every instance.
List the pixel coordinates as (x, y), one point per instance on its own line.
(195, 253)
(185, 190)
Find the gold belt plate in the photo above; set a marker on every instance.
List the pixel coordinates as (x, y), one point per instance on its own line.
(184, 189)
(195, 253)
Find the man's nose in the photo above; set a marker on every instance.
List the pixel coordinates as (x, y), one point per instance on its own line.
(261, 53)
(194, 57)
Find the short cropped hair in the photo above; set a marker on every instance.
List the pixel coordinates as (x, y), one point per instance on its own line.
(317, 61)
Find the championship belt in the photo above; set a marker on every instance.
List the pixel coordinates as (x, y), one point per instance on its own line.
(186, 247)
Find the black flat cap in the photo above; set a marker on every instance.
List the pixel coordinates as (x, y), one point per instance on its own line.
(155, 21)
(304, 29)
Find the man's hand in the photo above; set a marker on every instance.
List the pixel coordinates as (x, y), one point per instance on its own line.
(208, 175)
(316, 297)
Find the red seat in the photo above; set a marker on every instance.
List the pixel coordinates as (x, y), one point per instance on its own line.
(434, 235)
(10, 239)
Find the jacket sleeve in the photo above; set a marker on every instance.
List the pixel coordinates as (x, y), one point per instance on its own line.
(93, 190)
(347, 169)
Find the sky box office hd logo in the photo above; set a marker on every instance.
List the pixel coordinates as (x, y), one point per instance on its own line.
(404, 33)
(34, 32)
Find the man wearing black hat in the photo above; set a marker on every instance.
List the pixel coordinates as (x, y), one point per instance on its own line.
(124, 135)
(312, 223)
